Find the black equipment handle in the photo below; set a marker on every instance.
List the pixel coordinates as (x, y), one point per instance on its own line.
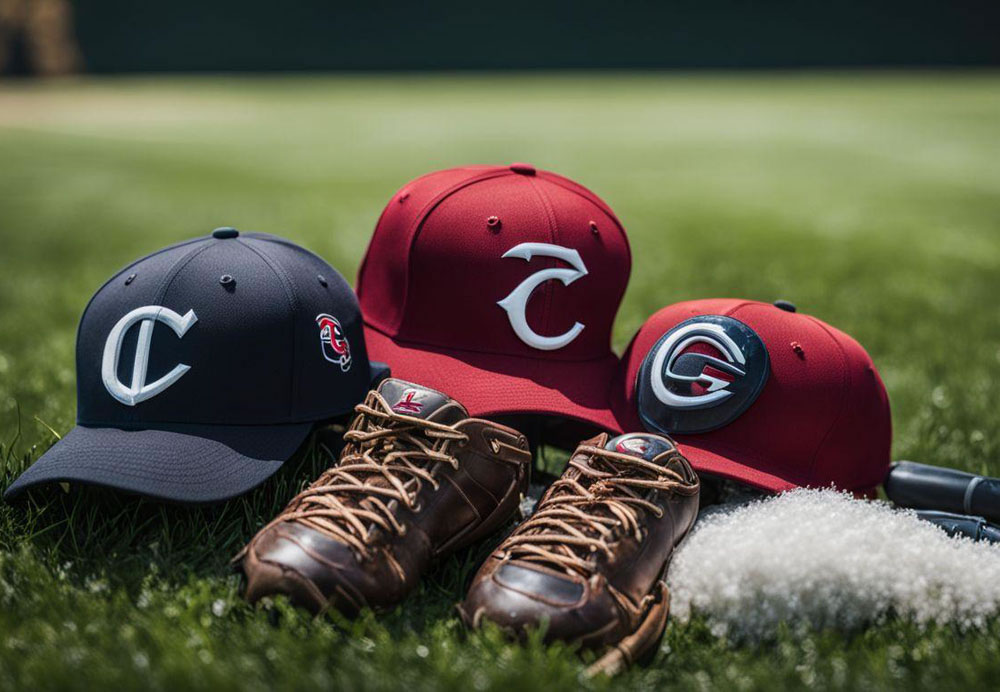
(976, 528)
(921, 486)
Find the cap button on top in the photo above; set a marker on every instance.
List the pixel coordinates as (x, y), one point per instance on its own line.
(225, 232)
(785, 305)
(523, 168)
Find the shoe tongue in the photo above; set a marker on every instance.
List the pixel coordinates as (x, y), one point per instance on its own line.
(643, 445)
(411, 399)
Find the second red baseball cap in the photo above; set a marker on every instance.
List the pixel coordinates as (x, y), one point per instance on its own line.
(499, 285)
(758, 393)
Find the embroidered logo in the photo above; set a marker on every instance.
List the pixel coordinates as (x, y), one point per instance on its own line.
(333, 341)
(408, 402)
(701, 375)
(147, 317)
(516, 303)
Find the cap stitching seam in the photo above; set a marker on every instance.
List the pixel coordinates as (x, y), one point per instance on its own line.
(547, 288)
(284, 242)
(418, 224)
(579, 190)
(293, 304)
(591, 197)
(133, 264)
(176, 268)
(847, 380)
(107, 283)
(731, 311)
(404, 188)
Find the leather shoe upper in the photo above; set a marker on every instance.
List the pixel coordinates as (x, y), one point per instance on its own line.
(590, 561)
(417, 478)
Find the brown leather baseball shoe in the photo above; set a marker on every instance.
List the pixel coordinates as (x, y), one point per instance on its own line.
(592, 559)
(417, 479)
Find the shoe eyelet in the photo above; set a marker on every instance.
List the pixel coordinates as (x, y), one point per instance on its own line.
(495, 445)
(417, 507)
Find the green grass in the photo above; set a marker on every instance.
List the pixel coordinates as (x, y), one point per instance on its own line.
(872, 201)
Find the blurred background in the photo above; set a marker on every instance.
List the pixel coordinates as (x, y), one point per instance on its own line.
(111, 36)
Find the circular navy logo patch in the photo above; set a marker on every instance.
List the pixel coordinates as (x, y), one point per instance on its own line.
(701, 375)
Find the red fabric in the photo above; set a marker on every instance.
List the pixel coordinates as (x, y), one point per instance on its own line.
(434, 272)
(822, 418)
(492, 385)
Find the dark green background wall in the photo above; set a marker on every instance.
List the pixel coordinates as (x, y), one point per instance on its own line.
(138, 35)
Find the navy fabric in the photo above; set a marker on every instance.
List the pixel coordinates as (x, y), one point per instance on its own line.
(259, 354)
(202, 464)
(254, 352)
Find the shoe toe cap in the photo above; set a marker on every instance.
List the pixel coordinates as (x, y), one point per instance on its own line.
(303, 564)
(518, 597)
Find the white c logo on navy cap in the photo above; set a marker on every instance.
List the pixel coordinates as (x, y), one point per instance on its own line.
(139, 390)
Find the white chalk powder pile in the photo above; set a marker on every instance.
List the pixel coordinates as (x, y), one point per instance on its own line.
(824, 559)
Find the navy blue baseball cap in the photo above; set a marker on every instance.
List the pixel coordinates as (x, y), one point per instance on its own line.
(203, 367)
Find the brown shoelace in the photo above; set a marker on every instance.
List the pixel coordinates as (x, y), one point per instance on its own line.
(582, 514)
(388, 457)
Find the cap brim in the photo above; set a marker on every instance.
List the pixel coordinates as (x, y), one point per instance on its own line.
(187, 463)
(490, 384)
(725, 465)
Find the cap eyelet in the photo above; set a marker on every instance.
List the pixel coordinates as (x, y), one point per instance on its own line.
(227, 281)
(493, 223)
(129, 279)
(593, 228)
(322, 280)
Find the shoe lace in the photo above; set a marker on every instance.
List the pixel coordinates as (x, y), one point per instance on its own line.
(591, 506)
(388, 458)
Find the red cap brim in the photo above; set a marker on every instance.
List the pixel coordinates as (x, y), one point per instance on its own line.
(726, 466)
(490, 384)
(706, 461)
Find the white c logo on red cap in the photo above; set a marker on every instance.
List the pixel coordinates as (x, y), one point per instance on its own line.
(516, 304)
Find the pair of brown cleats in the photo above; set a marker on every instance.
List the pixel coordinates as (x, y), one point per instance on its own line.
(418, 479)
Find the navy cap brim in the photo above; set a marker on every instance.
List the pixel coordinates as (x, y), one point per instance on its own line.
(187, 463)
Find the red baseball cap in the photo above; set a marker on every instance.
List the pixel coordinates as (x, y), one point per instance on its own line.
(498, 285)
(758, 393)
